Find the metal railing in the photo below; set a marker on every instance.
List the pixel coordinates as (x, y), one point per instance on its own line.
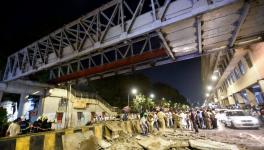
(85, 94)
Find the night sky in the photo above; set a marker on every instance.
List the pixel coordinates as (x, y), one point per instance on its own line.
(23, 22)
(185, 76)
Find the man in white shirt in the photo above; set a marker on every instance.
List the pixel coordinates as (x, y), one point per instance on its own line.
(143, 124)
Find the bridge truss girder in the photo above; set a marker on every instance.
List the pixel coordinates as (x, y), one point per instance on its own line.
(121, 21)
(116, 21)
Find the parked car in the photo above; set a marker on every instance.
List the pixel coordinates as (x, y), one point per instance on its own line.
(239, 119)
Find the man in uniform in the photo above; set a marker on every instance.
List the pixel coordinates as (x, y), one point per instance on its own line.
(161, 119)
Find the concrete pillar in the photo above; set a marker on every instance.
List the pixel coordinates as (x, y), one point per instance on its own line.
(21, 104)
(251, 97)
(227, 101)
(261, 84)
(41, 105)
(231, 100)
(1, 95)
(239, 99)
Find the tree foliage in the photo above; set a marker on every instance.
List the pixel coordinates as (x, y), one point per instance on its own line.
(115, 89)
(142, 102)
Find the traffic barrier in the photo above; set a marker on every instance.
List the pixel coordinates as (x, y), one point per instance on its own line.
(39, 141)
(53, 140)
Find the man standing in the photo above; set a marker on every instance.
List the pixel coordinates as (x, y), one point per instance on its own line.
(24, 125)
(161, 119)
(143, 124)
(156, 123)
(14, 128)
(176, 119)
(170, 119)
(150, 121)
(193, 118)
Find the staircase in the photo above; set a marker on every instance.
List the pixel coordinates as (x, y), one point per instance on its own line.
(93, 98)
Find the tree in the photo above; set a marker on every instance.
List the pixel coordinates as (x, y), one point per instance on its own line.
(169, 93)
(115, 89)
(141, 102)
(3, 121)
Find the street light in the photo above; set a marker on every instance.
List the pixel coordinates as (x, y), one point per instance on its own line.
(214, 77)
(134, 92)
(207, 94)
(152, 95)
(209, 87)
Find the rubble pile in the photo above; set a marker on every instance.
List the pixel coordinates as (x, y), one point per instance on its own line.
(126, 135)
(167, 140)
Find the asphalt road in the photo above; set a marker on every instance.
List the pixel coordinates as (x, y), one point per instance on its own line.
(246, 138)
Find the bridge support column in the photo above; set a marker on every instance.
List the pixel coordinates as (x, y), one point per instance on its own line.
(240, 99)
(261, 84)
(21, 104)
(231, 100)
(1, 95)
(251, 97)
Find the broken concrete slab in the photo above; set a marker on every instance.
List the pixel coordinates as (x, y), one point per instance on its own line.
(112, 130)
(79, 141)
(103, 144)
(211, 145)
(154, 143)
(179, 143)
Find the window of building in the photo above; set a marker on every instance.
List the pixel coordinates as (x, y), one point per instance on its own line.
(237, 73)
(242, 67)
(230, 79)
(80, 116)
(230, 53)
(225, 85)
(233, 76)
(228, 83)
(248, 60)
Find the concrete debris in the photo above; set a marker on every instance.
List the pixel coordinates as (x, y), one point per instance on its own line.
(112, 131)
(211, 145)
(174, 140)
(154, 143)
(179, 143)
(79, 141)
(138, 137)
(103, 144)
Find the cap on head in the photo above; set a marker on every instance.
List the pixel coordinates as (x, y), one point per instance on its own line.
(44, 118)
(39, 118)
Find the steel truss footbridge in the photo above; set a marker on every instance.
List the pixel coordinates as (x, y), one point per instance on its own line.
(126, 35)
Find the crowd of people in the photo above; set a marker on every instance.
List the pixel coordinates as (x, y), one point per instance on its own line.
(22, 126)
(189, 120)
(157, 119)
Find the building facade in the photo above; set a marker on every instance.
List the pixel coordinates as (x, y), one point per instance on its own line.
(67, 107)
(235, 77)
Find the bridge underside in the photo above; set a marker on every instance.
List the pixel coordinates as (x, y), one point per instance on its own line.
(128, 35)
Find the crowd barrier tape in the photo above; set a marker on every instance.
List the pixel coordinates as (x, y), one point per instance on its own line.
(52, 140)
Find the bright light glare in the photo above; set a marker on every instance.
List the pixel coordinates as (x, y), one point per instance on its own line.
(134, 91)
(207, 94)
(35, 92)
(209, 88)
(214, 77)
(51, 90)
(152, 95)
